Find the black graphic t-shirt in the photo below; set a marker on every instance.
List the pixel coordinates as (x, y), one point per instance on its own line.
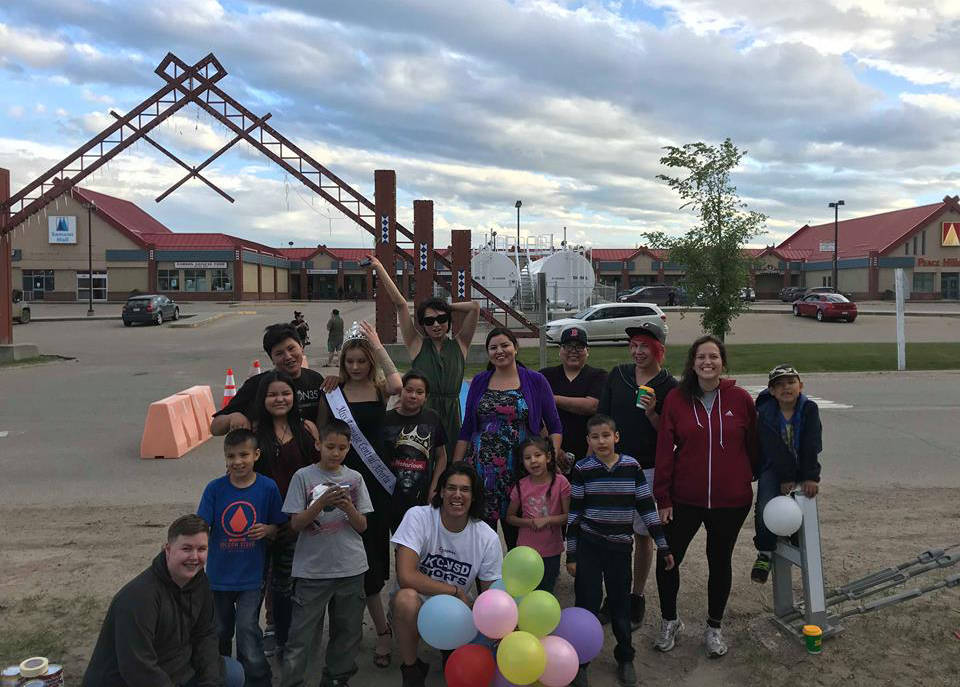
(411, 443)
(310, 398)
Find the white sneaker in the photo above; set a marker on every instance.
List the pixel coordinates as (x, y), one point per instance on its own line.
(669, 631)
(713, 641)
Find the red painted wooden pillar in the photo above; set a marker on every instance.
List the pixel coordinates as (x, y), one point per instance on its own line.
(460, 276)
(423, 264)
(6, 266)
(385, 194)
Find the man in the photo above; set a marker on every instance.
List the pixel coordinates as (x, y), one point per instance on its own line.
(576, 389)
(633, 396)
(334, 335)
(160, 628)
(282, 344)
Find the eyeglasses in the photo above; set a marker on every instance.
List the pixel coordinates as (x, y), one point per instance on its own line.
(439, 319)
(574, 348)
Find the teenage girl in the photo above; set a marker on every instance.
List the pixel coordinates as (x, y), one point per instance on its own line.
(539, 503)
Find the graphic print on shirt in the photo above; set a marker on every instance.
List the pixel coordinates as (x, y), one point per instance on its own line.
(236, 520)
(536, 506)
(445, 567)
(411, 453)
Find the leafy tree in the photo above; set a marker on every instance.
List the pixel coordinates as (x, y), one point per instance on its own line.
(713, 250)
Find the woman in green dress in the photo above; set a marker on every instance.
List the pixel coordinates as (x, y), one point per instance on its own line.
(433, 351)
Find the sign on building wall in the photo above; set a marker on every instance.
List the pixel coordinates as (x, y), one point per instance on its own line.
(62, 229)
(950, 234)
(827, 246)
(200, 265)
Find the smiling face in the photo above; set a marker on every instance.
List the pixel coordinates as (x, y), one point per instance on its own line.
(413, 396)
(186, 556)
(641, 352)
(357, 365)
(287, 356)
(708, 363)
(240, 460)
(501, 351)
(435, 323)
(535, 460)
(457, 496)
(279, 399)
(574, 356)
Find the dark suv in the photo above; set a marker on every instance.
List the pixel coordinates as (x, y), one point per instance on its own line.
(658, 294)
(149, 309)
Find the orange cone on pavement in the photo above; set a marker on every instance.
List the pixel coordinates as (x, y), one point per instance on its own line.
(229, 388)
(255, 369)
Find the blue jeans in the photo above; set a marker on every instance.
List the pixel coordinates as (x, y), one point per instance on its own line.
(599, 566)
(768, 487)
(551, 568)
(242, 610)
(232, 673)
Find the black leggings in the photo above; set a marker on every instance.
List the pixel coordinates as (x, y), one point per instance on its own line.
(722, 525)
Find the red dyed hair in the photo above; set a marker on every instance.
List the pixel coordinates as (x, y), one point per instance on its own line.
(657, 348)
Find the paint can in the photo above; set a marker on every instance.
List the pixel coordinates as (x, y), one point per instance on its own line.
(813, 637)
(10, 676)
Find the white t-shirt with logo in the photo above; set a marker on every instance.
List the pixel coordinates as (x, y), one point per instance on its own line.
(456, 558)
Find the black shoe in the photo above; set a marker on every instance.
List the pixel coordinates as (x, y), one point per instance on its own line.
(638, 606)
(415, 675)
(626, 675)
(761, 568)
(603, 615)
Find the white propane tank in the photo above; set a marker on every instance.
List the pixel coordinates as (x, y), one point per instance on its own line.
(570, 278)
(496, 272)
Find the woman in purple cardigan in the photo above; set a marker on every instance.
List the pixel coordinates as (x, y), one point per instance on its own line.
(506, 404)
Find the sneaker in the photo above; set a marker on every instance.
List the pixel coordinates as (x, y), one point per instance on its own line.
(626, 675)
(761, 568)
(638, 606)
(603, 615)
(713, 641)
(669, 632)
(415, 675)
(581, 678)
(269, 641)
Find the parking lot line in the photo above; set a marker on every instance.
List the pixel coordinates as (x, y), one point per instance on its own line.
(823, 403)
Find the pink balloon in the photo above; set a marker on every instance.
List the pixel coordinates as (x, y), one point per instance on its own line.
(562, 662)
(495, 613)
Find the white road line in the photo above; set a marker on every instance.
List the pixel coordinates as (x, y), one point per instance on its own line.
(3, 435)
(822, 403)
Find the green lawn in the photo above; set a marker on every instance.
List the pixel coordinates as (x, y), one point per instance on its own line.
(760, 358)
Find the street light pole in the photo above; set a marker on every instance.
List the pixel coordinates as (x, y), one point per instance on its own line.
(517, 205)
(836, 213)
(90, 206)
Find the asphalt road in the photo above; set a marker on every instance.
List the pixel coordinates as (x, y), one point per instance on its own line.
(73, 427)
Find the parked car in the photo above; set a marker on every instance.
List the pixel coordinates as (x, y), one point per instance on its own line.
(21, 309)
(826, 306)
(607, 321)
(149, 309)
(789, 294)
(748, 294)
(824, 289)
(658, 294)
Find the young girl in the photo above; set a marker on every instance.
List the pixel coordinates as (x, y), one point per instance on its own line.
(539, 504)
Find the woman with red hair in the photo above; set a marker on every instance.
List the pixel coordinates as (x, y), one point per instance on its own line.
(633, 396)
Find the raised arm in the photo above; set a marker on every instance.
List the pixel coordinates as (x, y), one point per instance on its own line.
(394, 382)
(469, 326)
(408, 329)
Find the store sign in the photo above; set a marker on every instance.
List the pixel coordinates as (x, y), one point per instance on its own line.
(945, 262)
(827, 246)
(313, 271)
(61, 229)
(950, 234)
(200, 265)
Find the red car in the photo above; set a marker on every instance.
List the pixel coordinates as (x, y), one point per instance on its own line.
(826, 306)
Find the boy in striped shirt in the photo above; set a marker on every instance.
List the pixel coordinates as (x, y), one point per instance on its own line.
(606, 488)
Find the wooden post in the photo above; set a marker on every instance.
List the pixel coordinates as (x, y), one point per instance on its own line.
(152, 283)
(238, 273)
(423, 264)
(385, 195)
(6, 266)
(460, 273)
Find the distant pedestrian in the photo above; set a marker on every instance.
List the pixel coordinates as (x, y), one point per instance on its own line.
(334, 335)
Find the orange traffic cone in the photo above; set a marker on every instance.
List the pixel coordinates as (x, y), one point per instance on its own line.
(255, 369)
(229, 388)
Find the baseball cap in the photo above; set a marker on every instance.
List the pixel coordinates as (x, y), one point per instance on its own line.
(648, 329)
(573, 335)
(782, 371)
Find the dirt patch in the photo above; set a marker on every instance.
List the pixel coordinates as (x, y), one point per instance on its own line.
(63, 565)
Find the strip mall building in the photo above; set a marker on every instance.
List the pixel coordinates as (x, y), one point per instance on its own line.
(132, 251)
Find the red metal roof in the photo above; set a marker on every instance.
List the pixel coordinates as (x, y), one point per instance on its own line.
(121, 214)
(205, 241)
(298, 253)
(612, 254)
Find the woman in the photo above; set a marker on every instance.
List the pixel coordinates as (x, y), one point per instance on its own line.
(706, 458)
(367, 378)
(440, 357)
(287, 443)
(505, 404)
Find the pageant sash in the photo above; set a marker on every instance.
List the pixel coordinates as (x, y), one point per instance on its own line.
(338, 404)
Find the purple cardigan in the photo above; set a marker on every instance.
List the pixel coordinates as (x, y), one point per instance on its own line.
(536, 391)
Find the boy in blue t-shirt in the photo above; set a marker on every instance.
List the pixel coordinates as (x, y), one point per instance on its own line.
(242, 509)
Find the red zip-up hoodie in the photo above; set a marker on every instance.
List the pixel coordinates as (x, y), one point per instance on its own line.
(707, 460)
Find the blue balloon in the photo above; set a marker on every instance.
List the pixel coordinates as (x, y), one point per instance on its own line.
(483, 640)
(445, 622)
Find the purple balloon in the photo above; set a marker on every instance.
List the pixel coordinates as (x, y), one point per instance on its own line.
(581, 628)
(500, 681)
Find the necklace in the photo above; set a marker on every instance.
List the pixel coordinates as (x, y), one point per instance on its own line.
(283, 434)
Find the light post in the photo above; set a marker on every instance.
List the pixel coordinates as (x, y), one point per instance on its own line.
(517, 206)
(90, 208)
(836, 212)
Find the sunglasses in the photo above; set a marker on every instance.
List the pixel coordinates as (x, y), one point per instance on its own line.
(439, 319)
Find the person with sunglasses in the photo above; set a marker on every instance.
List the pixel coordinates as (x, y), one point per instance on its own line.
(439, 356)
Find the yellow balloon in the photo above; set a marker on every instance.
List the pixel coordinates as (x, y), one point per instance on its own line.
(539, 613)
(521, 658)
(522, 570)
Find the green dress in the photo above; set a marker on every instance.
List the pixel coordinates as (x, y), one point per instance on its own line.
(444, 369)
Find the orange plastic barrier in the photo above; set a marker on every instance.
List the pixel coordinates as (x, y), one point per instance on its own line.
(201, 397)
(171, 428)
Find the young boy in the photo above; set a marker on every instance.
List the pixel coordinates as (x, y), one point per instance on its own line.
(242, 508)
(327, 503)
(415, 444)
(788, 425)
(599, 549)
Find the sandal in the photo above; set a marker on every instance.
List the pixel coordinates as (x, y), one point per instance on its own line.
(382, 659)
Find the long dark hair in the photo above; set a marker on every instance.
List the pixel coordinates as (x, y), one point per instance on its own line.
(269, 446)
(476, 489)
(521, 471)
(689, 384)
(502, 331)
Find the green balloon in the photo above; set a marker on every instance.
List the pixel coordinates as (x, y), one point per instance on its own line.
(522, 571)
(539, 613)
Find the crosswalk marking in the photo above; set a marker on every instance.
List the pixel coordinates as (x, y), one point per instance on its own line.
(822, 403)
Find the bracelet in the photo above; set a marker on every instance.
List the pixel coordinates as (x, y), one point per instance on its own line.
(384, 361)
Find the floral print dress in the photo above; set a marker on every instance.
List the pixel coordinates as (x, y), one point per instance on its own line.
(502, 422)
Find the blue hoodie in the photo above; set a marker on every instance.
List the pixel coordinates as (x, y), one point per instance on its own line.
(797, 463)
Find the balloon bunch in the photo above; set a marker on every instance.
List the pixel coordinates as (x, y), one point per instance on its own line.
(514, 635)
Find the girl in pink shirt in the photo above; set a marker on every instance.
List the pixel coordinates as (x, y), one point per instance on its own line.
(539, 503)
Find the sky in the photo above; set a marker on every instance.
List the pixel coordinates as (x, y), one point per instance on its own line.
(565, 105)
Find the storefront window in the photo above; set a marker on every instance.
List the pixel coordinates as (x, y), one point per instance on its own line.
(923, 282)
(168, 280)
(36, 283)
(221, 280)
(195, 280)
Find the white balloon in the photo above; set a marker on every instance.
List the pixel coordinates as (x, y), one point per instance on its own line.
(782, 516)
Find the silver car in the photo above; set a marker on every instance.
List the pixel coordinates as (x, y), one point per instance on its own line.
(607, 321)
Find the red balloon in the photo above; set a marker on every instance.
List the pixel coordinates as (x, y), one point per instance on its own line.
(471, 665)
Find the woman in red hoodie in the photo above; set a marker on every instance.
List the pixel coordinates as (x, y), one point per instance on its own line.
(706, 449)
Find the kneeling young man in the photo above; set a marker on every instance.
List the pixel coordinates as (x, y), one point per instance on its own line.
(448, 535)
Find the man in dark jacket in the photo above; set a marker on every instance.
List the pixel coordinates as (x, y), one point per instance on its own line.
(789, 430)
(160, 629)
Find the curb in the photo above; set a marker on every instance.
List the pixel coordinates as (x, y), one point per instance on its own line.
(775, 311)
(207, 320)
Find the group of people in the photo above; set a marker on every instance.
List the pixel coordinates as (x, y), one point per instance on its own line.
(322, 481)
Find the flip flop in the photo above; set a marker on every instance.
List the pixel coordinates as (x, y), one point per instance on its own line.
(382, 660)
